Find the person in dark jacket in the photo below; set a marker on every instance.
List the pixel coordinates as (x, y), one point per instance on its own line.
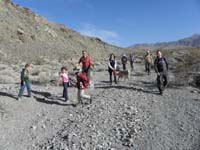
(112, 66)
(161, 68)
(132, 58)
(24, 82)
(124, 60)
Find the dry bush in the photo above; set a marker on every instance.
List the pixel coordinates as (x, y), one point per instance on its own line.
(187, 71)
(8, 76)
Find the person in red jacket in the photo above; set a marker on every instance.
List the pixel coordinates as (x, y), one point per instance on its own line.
(86, 63)
(82, 82)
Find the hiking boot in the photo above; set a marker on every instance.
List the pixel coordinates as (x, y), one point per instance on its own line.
(30, 96)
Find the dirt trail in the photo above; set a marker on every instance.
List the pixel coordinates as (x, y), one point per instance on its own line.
(127, 116)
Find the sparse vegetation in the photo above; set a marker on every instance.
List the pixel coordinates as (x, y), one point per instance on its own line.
(188, 69)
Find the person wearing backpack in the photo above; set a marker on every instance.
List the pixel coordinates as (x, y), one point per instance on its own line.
(65, 81)
(112, 66)
(24, 82)
(161, 69)
(82, 82)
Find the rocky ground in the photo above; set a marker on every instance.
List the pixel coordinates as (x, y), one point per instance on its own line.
(128, 116)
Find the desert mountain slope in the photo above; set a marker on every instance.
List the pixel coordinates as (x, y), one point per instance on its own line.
(25, 35)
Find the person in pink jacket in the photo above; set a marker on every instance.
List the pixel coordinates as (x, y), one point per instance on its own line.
(65, 81)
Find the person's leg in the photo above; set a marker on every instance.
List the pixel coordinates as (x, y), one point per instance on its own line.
(28, 86)
(65, 94)
(159, 83)
(79, 96)
(110, 73)
(131, 66)
(148, 68)
(115, 79)
(88, 73)
(83, 95)
(165, 80)
(21, 91)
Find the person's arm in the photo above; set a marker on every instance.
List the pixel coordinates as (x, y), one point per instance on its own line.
(80, 60)
(155, 65)
(166, 63)
(22, 77)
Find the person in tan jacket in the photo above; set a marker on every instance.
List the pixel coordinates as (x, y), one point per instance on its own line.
(148, 62)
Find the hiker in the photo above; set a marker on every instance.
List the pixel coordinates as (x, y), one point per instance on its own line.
(148, 62)
(86, 63)
(24, 82)
(124, 60)
(64, 78)
(112, 66)
(131, 61)
(82, 82)
(161, 68)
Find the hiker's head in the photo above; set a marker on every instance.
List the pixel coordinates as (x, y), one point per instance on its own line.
(84, 53)
(148, 52)
(112, 56)
(26, 66)
(63, 69)
(159, 54)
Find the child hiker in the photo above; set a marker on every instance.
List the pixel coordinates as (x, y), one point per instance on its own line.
(65, 81)
(82, 82)
(24, 82)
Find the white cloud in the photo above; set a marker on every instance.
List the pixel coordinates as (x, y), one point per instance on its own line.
(105, 35)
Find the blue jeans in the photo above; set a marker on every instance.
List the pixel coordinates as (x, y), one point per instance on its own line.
(65, 92)
(27, 85)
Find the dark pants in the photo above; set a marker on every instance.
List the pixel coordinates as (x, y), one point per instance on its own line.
(162, 81)
(131, 63)
(111, 74)
(148, 67)
(65, 92)
(87, 71)
(124, 66)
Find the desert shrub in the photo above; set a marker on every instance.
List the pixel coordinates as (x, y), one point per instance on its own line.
(39, 61)
(187, 71)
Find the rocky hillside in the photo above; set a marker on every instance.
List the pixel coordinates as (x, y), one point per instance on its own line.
(192, 41)
(26, 36)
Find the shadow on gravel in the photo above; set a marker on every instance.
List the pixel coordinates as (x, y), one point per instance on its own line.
(8, 95)
(43, 100)
(128, 88)
(45, 94)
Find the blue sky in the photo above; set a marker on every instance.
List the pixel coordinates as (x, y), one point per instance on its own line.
(123, 22)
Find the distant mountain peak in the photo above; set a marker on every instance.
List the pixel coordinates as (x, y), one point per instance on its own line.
(192, 41)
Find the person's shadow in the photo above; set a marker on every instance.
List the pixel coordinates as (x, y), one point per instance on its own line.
(44, 94)
(51, 102)
(48, 98)
(8, 95)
